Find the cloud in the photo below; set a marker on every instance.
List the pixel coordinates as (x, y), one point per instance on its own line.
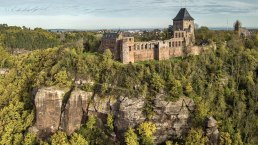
(130, 9)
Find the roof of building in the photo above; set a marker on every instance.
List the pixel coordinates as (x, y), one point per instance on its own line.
(183, 14)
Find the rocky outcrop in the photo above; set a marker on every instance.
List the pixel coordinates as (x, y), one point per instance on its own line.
(129, 113)
(172, 118)
(212, 131)
(48, 103)
(54, 111)
(72, 115)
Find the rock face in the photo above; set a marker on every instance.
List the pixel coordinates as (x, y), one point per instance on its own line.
(48, 102)
(53, 113)
(212, 131)
(129, 113)
(172, 118)
(73, 114)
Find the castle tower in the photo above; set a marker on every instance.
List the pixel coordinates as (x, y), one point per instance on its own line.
(127, 50)
(237, 26)
(125, 53)
(184, 22)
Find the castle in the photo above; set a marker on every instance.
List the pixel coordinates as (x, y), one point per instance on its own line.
(125, 49)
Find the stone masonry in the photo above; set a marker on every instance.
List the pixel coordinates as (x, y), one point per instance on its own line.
(125, 49)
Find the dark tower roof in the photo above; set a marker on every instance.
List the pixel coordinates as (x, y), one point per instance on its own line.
(183, 15)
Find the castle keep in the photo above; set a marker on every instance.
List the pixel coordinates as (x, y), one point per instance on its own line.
(125, 49)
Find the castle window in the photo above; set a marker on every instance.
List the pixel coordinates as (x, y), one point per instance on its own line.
(130, 48)
(169, 44)
(173, 44)
(142, 47)
(176, 35)
(138, 47)
(176, 44)
(179, 35)
(146, 46)
(130, 39)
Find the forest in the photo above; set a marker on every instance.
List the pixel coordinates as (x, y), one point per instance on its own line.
(223, 82)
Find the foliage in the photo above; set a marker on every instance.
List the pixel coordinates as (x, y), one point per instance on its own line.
(30, 139)
(131, 137)
(155, 34)
(62, 79)
(237, 140)
(93, 132)
(196, 136)
(146, 131)
(59, 138)
(225, 138)
(77, 139)
(25, 38)
(110, 121)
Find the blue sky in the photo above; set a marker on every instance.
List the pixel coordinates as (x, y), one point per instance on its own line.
(100, 14)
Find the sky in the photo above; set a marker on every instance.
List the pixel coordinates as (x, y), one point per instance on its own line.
(124, 14)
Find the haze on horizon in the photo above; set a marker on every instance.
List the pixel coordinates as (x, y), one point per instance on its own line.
(109, 14)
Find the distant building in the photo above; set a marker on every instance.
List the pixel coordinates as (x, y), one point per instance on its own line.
(243, 32)
(125, 49)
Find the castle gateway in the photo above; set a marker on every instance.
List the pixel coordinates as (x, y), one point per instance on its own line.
(125, 49)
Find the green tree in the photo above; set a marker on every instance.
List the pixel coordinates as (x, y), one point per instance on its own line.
(62, 79)
(237, 140)
(146, 131)
(175, 89)
(30, 139)
(59, 138)
(110, 122)
(225, 138)
(131, 137)
(196, 137)
(77, 139)
(157, 83)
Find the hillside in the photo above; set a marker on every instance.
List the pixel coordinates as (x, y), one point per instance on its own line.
(221, 82)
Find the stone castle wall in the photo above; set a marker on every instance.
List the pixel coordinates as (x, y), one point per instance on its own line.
(158, 50)
(125, 49)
